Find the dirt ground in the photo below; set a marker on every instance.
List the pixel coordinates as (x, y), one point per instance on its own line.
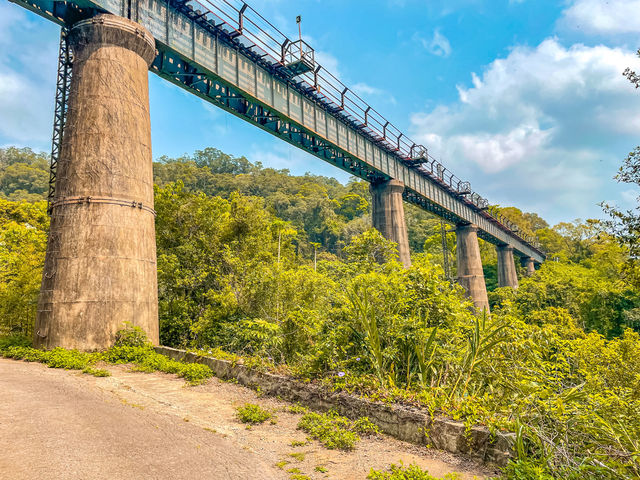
(58, 424)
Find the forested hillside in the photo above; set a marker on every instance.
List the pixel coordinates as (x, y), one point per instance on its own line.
(286, 272)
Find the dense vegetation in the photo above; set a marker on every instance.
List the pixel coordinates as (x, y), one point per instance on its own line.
(259, 263)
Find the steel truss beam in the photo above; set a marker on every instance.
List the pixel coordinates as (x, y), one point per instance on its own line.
(177, 70)
(63, 82)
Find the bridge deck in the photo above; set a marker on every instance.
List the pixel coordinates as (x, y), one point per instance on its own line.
(228, 65)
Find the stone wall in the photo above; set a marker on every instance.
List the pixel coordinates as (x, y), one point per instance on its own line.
(402, 422)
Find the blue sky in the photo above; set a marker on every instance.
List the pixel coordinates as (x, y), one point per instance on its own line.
(523, 98)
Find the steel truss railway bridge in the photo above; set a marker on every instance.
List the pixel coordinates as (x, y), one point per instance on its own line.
(101, 198)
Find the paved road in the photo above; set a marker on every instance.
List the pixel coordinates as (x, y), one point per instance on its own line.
(54, 426)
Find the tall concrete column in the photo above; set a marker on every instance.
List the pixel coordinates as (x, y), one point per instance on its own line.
(388, 215)
(100, 267)
(529, 264)
(507, 276)
(470, 273)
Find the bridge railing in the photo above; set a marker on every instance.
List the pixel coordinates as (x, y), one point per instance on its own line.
(257, 34)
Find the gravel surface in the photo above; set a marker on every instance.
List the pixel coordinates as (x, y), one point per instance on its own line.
(57, 424)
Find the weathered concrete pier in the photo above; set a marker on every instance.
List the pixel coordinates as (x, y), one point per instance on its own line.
(470, 273)
(387, 213)
(100, 267)
(530, 265)
(507, 275)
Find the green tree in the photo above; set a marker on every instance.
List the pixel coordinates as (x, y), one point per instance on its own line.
(24, 174)
(23, 240)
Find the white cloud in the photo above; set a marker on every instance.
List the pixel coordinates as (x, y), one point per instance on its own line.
(362, 88)
(438, 45)
(27, 78)
(24, 121)
(328, 62)
(541, 125)
(284, 156)
(630, 197)
(603, 16)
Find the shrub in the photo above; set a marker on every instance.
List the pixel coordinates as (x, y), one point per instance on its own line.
(252, 414)
(14, 341)
(131, 336)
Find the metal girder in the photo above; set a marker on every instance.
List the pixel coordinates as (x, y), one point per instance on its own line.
(177, 70)
(63, 82)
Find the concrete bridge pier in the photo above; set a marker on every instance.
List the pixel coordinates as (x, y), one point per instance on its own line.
(530, 265)
(507, 276)
(100, 267)
(387, 212)
(470, 273)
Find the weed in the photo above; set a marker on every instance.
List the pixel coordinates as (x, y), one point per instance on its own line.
(67, 359)
(412, 472)
(299, 456)
(321, 469)
(144, 358)
(194, 373)
(281, 464)
(297, 408)
(147, 360)
(252, 414)
(293, 470)
(527, 468)
(364, 426)
(298, 443)
(56, 358)
(299, 477)
(129, 404)
(330, 429)
(97, 372)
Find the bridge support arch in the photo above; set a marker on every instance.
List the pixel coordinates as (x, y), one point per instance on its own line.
(507, 276)
(387, 213)
(100, 267)
(470, 273)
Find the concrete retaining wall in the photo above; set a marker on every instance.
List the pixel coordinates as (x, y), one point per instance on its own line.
(402, 422)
